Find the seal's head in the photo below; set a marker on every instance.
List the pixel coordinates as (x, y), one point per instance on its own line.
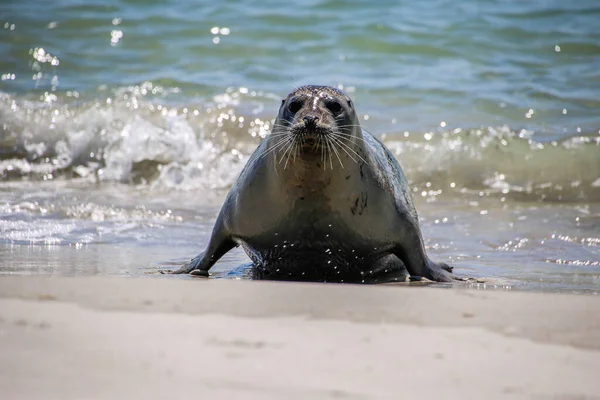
(317, 117)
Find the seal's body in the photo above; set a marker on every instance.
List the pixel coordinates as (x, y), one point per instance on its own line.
(321, 200)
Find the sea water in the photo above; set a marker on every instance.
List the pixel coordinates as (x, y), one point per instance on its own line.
(124, 123)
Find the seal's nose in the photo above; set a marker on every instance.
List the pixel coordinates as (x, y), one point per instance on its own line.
(310, 120)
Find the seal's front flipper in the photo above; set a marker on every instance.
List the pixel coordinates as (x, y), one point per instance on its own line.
(409, 248)
(200, 264)
(191, 266)
(439, 272)
(419, 265)
(436, 274)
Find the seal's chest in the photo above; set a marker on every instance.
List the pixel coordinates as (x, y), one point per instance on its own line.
(330, 262)
(319, 252)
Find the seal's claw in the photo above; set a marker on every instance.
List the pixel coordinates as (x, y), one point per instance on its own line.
(446, 267)
(185, 269)
(199, 272)
(191, 266)
(444, 276)
(437, 273)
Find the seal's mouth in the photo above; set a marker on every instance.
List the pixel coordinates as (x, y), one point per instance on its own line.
(313, 137)
(310, 141)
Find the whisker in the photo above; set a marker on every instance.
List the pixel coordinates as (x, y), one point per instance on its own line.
(337, 141)
(276, 148)
(280, 144)
(349, 126)
(333, 142)
(351, 136)
(329, 151)
(293, 149)
(321, 140)
(297, 152)
(277, 134)
(290, 144)
(282, 125)
(349, 149)
(347, 129)
(333, 136)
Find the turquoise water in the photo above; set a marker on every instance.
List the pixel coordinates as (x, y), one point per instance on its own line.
(491, 106)
(410, 65)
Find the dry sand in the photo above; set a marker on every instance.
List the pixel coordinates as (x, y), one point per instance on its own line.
(122, 338)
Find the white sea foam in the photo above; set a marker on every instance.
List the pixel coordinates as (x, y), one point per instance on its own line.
(171, 147)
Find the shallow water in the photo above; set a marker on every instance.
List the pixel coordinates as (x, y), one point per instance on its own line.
(123, 125)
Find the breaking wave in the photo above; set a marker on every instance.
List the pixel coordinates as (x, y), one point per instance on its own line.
(128, 137)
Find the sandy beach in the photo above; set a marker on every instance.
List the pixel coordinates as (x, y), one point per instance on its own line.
(111, 338)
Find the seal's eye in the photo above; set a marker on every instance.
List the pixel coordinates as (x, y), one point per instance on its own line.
(350, 103)
(295, 106)
(334, 106)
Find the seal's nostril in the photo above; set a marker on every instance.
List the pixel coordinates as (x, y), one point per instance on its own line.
(310, 119)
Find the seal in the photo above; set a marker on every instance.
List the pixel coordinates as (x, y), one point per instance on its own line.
(321, 199)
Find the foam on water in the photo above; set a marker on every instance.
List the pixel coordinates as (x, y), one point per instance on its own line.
(133, 139)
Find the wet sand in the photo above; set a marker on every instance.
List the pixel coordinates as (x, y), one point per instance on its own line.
(109, 338)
